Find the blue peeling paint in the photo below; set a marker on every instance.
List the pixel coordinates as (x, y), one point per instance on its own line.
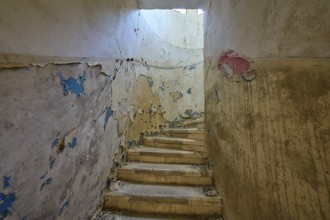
(109, 113)
(55, 143)
(47, 182)
(43, 176)
(6, 183)
(74, 143)
(63, 207)
(52, 162)
(189, 91)
(6, 202)
(76, 86)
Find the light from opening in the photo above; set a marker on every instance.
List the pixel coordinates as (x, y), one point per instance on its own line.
(200, 12)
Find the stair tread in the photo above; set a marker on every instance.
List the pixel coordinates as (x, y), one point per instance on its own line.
(129, 216)
(194, 121)
(184, 130)
(160, 191)
(163, 167)
(172, 139)
(142, 148)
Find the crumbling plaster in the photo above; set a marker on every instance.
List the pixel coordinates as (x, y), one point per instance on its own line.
(126, 90)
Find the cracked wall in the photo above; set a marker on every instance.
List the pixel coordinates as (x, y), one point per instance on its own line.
(269, 138)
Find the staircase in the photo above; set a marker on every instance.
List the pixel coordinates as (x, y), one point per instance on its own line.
(166, 178)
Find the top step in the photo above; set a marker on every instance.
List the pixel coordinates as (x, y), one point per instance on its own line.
(190, 133)
(195, 123)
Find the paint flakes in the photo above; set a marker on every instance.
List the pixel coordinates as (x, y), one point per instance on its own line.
(70, 139)
(108, 114)
(249, 76)
(64, 205)
(73, 144)
(189, 91)
(150, 81)
(55, 143)
(6, 183)
(227, 71)
(139, 110)
(6, 202)
(44, 175)
(162, 86)
(192, 67)
(47, 182)
(231, 58)
(191, 114)
(51, 162)
(75, 86)
(176, 95)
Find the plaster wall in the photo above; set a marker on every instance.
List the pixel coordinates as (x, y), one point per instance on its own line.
(268, 28)
(127, 85)
(50, 177)
(269, 138)
(175, 69)
(56, 146)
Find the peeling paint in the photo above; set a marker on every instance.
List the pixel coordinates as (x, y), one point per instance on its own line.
(249, 76)
(64, 206)
(6, 202)
(73, 144)
(47, 182)
(6, 183)
(192, 114)
(44, 175)
(231, 58)
(176, 95)
(162, 86)
(52, 162)
(55, 142)
(189, 91)
(71, 140)
(75, 86)
(150, 81)
(108, 114)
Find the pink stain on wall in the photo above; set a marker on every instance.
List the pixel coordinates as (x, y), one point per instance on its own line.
(239, 64)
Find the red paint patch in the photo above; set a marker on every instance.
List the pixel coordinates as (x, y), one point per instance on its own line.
(239, 64)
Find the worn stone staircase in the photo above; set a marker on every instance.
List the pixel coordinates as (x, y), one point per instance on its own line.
(166, 178)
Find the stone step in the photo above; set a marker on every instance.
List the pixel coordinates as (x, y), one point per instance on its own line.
(195, 123)
(165, 173)
(175, 143)
(159, 155)
(191, 133)
(161, 199)
(139, 216)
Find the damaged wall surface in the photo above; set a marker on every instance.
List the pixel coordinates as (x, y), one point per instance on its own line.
(56, 139)
(176, 69)
(80, 81)
(61, 126)
(269, 137)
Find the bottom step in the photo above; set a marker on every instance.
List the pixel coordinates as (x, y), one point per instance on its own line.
(161, 199)
(135, 216)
